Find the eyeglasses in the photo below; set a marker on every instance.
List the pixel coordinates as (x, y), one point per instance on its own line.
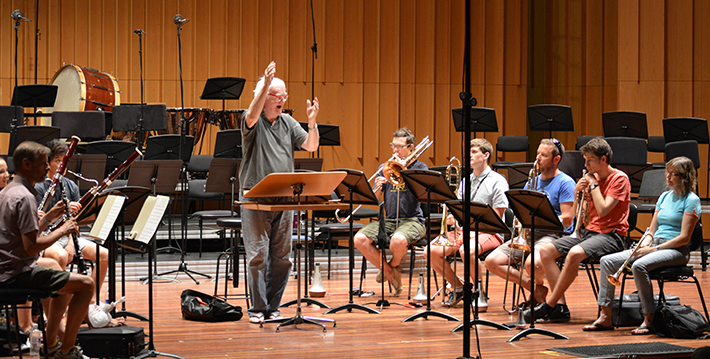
(279, 97)
(397, 146)
(672, 174)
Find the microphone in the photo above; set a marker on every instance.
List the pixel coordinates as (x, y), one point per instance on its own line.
(139, 31)
(179, 20)
(17, 16)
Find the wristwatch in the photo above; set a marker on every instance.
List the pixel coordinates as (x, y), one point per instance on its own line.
(313, 128)
(593, 186)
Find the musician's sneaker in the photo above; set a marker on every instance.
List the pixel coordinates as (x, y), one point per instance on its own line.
(560, 314)
(454, 298)
(541, 311)
(75, 352)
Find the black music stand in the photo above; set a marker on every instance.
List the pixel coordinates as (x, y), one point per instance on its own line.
(11, 117)
(688, 128)
(228, 144)
(87, 125)
(167, 147)
(486, 220)
(625, 124)
(429, 187)
(329, 134)
(35, 96)
(550, 118)
(223, 88)
(310, 164)
(354, 189)
(116, 152)
(297, 185)
(134, 117)
(161, 176)
(39, 134)
(150, 351)
(86, 168)
(131, 208)
(534, 210)
(481, 120)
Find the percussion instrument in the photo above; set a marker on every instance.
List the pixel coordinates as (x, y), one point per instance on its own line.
(195, 117)
(85, 89)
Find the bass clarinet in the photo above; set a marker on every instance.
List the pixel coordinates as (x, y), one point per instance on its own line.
(80, 264)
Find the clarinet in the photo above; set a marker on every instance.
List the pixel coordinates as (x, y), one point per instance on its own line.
(81, 266)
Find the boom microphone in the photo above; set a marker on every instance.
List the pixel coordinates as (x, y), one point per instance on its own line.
(17, 16)
(179, 20)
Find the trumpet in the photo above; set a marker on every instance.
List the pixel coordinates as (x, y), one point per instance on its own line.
(582, 214)
(643, 242)
(391, 171)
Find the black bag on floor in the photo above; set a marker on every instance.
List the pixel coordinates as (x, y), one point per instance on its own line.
(631, 313)
(206, 308)
(679, 321)
(118, 342)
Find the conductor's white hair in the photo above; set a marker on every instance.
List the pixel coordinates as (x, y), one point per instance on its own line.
(274, 82)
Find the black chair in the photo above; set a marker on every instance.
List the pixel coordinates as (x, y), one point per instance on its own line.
(652, 185)
(680, 274)
(687, 148)
(591, 263)
(10, 300)
(631, 156)
(582, 140)
(510, 144)
(657, 144)
(572, 163)
(236, 249)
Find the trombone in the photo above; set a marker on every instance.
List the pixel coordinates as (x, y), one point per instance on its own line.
(391, 171)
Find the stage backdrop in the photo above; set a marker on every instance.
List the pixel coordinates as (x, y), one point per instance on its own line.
(383, 64)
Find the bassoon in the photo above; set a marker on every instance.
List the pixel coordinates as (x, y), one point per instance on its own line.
(57, 177)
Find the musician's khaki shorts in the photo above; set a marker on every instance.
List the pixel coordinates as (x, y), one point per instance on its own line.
(518, 254)
(410, 228)
(39, 278)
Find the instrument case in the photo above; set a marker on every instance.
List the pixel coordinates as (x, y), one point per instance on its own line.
(631, 314)
(118, 342)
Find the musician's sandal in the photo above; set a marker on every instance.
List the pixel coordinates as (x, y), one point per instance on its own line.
(642, 330)
(275, 315)
(257, 318)
(596, 327)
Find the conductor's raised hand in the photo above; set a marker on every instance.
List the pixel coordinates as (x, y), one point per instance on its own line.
(312, 111)
(269, 72)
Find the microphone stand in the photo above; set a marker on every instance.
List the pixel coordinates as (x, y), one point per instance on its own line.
(314, 50)
(37, 34)
(139, 126)
(14, 123)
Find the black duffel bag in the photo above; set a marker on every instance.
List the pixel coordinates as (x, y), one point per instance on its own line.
(206, 308)
(679, 321)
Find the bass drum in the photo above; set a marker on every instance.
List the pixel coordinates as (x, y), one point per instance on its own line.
(85, 89)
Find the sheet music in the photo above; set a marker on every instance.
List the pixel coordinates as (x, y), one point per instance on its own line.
(107, 216)
(149, 218)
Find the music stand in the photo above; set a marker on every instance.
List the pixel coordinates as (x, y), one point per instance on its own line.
(688, 128)
(228, 144)
(167, 147)
(311, 164)
(87, 125)
(534, 210)
(131, 208)
(134, 117)
(430, 187)
(355, 190)
(223, 88)
(10, 116)
(39, 134)
(35, 96)
(485, 219)
(329, 134)
(296, 184)
(550, 118)
(625, 124)
(481, 120)
(116, 152)
(86, 167)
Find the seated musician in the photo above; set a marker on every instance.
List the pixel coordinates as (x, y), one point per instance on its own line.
(63, 251)
(404, 221)
(559, 188)
(667, 243)
(607, 192)
(487, 186)
(20, 244)
(4, 174)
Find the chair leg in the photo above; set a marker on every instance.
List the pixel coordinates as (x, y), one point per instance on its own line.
(330, 245)
(363, 269)
(200, 224)
(702, 299)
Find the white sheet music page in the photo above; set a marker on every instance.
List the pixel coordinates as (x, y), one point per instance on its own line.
(149, 218)
(107, 216)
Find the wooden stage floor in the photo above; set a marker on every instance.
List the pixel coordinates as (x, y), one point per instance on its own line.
(371, 335)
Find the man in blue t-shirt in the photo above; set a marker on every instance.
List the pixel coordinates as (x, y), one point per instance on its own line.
(559, 188)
